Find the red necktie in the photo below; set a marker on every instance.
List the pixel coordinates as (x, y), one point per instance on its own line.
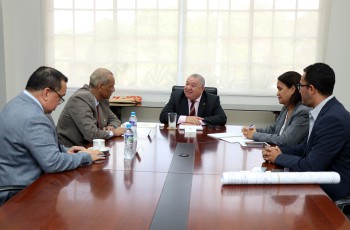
(98, 117)
(192, 109)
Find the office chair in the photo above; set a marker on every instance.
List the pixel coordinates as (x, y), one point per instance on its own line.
(11, 188)
(342, 203)
(212, 90)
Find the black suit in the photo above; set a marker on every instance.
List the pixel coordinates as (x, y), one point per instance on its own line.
(209, 108)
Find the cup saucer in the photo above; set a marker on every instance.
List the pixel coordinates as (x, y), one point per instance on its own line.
(104, 149)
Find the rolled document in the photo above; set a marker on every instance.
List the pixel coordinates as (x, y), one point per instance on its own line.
(280, 178)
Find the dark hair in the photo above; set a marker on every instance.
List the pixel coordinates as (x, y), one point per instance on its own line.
(291, 78)
(45, 77)
(321, 76)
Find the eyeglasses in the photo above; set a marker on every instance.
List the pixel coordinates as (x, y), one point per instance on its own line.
(301, 85)
(61, 98)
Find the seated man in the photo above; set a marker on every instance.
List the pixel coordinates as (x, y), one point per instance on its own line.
(28, 139)
(87, 114)
(327, 148)
(193, 105)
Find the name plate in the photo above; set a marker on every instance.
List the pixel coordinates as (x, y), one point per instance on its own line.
(190, 129)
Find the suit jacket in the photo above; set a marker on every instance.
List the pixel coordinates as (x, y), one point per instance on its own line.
(209, 108)
(78, 125)
(29, 145)
(295, 130)
(328, 149)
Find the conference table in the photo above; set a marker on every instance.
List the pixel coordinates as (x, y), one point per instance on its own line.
(173, 182)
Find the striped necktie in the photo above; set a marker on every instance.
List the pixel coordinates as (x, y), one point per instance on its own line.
(192, 109)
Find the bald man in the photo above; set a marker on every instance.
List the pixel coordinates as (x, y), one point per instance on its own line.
(87, 114)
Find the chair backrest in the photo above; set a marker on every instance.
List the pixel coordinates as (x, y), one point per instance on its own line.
(212, 90)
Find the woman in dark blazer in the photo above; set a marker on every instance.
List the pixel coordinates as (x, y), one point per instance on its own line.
(292, 125)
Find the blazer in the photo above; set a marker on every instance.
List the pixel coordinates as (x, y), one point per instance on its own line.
(78, 125)
(294, 132)
(327, 149)
(29, 145)
(209, 108)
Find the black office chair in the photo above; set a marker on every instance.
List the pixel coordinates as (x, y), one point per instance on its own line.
(11, 188)
(344, 203)
(212, 90)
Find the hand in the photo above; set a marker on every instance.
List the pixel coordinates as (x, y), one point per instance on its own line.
(248, 132)
(119, 131)
(194, 120)
(75, 149)
(95, 154)
(244, 131)
(109, 128)
(271, 153)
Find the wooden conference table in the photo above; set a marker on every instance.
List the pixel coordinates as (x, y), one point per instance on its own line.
(174, 182)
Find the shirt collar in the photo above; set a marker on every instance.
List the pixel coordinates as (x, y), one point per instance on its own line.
(315, 111)
(96, 101)
(34, 99)
(197, 100)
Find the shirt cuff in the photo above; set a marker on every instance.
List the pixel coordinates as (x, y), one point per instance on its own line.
(110, 134)
(182, 119)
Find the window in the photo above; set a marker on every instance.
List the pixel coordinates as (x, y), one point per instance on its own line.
(239, 46)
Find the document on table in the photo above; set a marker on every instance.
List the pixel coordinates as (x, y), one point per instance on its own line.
(246, 177)
(222, 135)
(237, 138)
(241, 140)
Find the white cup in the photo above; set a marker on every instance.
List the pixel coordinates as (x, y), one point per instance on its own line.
(172, 120)
(98, 143)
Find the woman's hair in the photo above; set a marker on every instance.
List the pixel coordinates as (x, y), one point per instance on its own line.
(291, 78)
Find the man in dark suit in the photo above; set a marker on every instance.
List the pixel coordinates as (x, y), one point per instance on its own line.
(327, 148)
(193, 105)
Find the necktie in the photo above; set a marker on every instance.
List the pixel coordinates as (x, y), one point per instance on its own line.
(192, 109)
(98, 117)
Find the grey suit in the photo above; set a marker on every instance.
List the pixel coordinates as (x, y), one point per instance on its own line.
(29, 145)
(295, 131)
(77, 124)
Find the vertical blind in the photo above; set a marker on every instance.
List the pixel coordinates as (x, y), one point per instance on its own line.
(239, 46)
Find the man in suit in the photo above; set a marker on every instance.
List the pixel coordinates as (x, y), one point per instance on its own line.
(87, 114)
(193, 105)
(28, 140)
(327, 148)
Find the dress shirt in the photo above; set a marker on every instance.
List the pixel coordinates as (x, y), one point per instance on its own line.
(314, 113)
(99, 122)
(182, 118)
